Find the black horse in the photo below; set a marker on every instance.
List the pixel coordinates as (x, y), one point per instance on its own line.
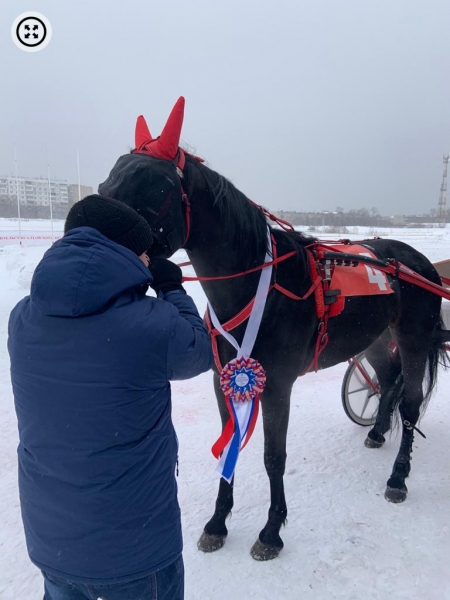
(188, 205)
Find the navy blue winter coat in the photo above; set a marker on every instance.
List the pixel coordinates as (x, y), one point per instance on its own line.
(91, 360)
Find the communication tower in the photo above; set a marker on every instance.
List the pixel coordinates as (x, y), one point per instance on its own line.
(442, 204)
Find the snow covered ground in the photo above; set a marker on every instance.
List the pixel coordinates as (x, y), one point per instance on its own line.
(342, 541)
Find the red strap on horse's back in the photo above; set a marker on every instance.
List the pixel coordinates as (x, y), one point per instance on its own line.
(315, 287)
(318, 292)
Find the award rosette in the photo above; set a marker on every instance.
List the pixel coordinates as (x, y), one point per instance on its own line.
(242, 381)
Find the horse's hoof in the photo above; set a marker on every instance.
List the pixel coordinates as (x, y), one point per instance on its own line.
(261, 551)
(370, 443)
(396, 495)
(210, 543)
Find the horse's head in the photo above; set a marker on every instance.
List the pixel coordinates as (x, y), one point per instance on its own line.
(150, 181)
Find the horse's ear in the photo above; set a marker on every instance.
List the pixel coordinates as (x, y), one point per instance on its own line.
(142, 135)
(170, 136)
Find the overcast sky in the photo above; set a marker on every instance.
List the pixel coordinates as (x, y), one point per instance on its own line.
(303, 104)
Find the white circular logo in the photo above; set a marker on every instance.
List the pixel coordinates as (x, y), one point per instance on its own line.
(242, 379)
(31, 31)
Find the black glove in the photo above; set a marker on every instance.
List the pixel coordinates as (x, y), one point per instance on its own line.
(166, 275)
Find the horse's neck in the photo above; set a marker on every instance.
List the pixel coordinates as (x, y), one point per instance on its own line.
(212, 255)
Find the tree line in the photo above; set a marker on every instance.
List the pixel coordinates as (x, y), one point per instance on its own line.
(338, 218)
(360, 216)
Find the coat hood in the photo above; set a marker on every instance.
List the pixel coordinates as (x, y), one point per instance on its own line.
(82, 272)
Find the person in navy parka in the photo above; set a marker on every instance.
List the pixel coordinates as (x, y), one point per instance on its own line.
(91, 360)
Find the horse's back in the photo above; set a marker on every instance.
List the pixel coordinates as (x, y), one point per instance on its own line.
(409, 311)
(405, 254)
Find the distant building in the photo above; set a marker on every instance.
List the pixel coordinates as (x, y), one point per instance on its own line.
(35, 191)
(38, 197)
(76, 194)
(398, 220)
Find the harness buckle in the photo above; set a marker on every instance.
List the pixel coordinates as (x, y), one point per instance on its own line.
(331, 296)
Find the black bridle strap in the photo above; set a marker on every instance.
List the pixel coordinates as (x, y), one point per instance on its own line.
(187, 214)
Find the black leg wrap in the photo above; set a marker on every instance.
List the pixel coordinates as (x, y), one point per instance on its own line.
(396, 490)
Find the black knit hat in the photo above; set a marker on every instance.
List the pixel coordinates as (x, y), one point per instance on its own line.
(117, 221)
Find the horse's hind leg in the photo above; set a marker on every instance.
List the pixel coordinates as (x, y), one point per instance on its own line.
(414, 354)
(275, 406)
(215, 531)
(387, 366)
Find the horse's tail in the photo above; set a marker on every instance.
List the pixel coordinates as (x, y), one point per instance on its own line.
(437, 357)
(443, 335)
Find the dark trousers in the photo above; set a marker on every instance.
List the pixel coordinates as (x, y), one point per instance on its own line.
(166, 584)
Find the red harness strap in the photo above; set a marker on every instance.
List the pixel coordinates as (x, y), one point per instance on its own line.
(281, 222)
(254, 270)
(322, 311)
(244, 314)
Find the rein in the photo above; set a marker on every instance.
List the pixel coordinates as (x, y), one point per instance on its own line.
(187, 217)
(323, 261)
(390, 266)
(322, 258)
(253, 270)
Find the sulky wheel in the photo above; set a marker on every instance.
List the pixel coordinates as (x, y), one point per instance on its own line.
(360, 392)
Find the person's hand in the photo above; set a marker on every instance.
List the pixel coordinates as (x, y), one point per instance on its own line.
(166, 275)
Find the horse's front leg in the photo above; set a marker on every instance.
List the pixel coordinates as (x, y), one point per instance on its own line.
(275, 406)
(215, 531)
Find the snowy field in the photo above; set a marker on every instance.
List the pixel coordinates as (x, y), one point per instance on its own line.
(342, 541)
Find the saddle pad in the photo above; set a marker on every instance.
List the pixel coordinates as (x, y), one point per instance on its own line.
(362, 280)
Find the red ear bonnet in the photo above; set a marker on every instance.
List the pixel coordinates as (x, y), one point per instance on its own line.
(166, 145)
(142, 135)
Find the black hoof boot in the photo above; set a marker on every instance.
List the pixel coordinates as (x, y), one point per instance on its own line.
(261, 551)
(374, 440)
(396, 495)
(210, 543)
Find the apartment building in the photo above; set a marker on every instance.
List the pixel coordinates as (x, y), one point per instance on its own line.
(35, 191)
(78, 193)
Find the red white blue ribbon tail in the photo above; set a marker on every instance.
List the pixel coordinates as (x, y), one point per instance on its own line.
(242, 413)
(227, 433)
(251, 422)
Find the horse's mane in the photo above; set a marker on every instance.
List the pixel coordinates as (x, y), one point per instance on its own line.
(246, 224)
